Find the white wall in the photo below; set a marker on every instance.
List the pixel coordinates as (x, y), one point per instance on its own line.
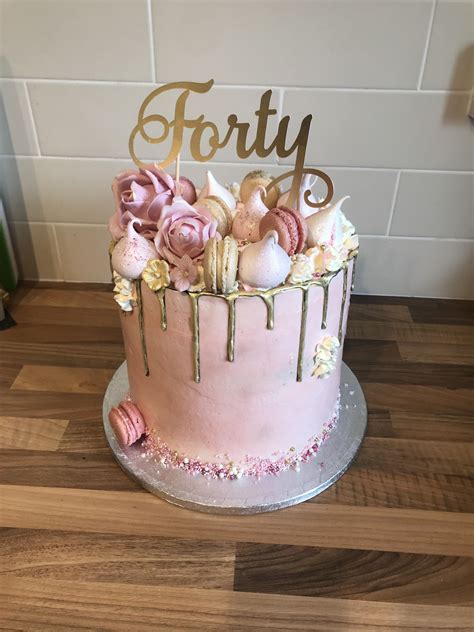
(387, 81)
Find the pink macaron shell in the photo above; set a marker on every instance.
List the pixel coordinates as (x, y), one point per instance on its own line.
(121, 426)
(272, 221)
(136, 419)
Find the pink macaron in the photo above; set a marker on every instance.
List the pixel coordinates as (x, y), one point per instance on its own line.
(289, 225)
(127, 423)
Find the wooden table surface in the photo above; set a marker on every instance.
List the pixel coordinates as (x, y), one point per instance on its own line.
(389, 547)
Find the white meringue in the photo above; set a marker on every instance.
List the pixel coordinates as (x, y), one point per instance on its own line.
(264, 264)
(325, 226)
(132, 253)
(259, 178)
(307, 182)
(247, 219)
(212, 187)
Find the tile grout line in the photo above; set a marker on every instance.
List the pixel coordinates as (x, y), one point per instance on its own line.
(227, 86)
(239, 164)
(365, 236)
(33, 122)
(394, 200)
(152, 39)
(58, 253)
(427, 45)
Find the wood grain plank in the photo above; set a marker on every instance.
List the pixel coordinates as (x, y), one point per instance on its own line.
(95, 468)
(442, 311)
(309, 524)
(134, 559)
(373, 487)
(76, 298)
(438, 353)
(450, 376)
(418, 399)
(61, 334)
(370, 351)
(385, 313)
(417, 457)
(59, 379)
(52, 405)
(407, 332)
(72, 316)
(84, 354)
(102, 606)
(350, 574)
(79, 470)
(424, 426)
(27, 433)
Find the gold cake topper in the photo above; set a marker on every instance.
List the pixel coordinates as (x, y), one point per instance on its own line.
(199, 125)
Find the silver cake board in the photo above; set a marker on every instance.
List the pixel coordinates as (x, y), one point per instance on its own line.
(246, 495)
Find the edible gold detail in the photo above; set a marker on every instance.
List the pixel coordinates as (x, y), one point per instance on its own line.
(215, 139)
(194, 298)
(304, 318)
(231, 330)
(343, 301)
(270, 303)
(141, 325)
(160, 295)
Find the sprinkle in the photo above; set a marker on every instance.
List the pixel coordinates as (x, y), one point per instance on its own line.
(351, 392)
(250, 466)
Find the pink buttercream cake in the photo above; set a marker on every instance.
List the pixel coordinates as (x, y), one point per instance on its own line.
(233, 346)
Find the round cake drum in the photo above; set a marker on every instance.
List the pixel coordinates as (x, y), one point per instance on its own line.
(246, 495)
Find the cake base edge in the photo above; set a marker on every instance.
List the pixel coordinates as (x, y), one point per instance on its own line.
(247, 495)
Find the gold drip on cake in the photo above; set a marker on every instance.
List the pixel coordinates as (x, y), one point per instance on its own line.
(160, 295)
(141, 324)
(354, 259)
(269, 301)
(343, 300)
(268, 297)
(231, 329)
(194, 298)
(324, 316)
(304, 316)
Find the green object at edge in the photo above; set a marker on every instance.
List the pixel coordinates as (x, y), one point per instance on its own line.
(7, 273)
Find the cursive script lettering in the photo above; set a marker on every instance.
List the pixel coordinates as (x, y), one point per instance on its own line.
(245, 146)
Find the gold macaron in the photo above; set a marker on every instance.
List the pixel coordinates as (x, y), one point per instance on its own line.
(219, 211)
(220, 264)
(262, 178)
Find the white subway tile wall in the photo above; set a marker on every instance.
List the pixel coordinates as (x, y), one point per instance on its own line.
(388, 83)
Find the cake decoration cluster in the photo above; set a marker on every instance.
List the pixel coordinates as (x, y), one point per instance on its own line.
(325, 358)
(221, 239)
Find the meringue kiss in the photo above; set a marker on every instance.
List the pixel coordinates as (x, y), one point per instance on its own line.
(132, 253)
(264, 264)
(259, 178)
(212, 187)
(307, 183)
(325, 226)
(247, 220)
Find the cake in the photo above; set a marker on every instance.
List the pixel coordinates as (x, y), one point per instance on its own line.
(233, 305)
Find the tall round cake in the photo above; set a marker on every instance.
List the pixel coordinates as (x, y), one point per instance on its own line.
(233, 310)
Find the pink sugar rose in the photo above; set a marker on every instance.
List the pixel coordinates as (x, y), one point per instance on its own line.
(183, 230)
(142, 195)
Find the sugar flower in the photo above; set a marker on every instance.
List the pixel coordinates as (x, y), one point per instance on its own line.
(301, 269)
(325, 358)
(156, 274)
(142, 195)
(183, 230)
(184, 274)
(124, 293)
